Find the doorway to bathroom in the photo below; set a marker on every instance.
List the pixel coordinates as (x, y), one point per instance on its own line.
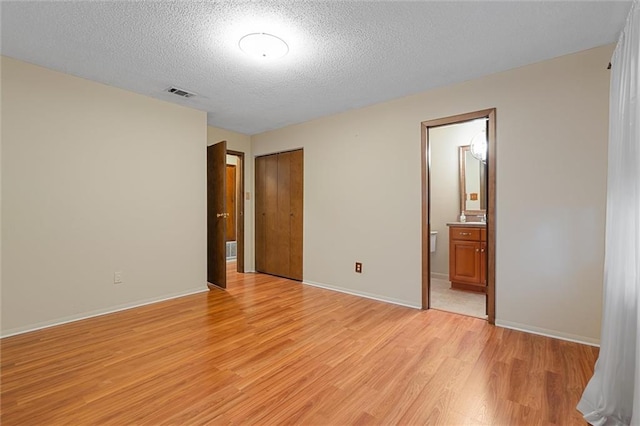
(458, 214)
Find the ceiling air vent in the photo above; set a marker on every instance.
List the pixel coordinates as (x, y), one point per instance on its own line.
(180, 92)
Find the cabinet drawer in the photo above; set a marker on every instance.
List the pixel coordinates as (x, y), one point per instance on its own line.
(463, 233)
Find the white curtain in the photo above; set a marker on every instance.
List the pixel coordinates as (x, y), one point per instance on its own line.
(612, 396)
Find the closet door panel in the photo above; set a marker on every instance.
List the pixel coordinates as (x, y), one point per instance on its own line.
(271, 215)
(284, 201)
(278, 234)
(260, 213)
(296, 218)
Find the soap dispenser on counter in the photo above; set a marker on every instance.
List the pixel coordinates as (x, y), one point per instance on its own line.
(463, 218)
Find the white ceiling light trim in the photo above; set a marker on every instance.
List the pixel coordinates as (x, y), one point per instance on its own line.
(263, 45)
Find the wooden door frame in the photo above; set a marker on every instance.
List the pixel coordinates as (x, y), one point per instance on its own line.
(491, 205)
(240, 213)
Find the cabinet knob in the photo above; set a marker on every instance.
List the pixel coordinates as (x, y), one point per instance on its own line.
(465, 233)
(477, 250)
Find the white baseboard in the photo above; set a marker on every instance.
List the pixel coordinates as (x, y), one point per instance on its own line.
(500, 323)
(363, 294)
(548, 333)
(96, 313)
(439, 276)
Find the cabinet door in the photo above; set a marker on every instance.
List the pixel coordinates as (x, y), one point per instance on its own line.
(464, 262)
(483, 264)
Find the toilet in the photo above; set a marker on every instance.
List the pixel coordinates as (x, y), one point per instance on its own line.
(433, 241)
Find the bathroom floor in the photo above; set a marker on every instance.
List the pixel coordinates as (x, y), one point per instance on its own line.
(457, 301)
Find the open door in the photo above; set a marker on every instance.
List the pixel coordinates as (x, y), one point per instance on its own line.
(239, 210)
(488, 248)
(216, 215)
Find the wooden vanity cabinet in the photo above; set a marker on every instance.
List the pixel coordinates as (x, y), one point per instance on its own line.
(468, 258)
(483, 258)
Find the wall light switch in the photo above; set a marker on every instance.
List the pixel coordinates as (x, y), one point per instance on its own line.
(117, 277)
(358, 267)
(247, 195)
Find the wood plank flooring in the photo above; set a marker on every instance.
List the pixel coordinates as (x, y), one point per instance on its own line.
(274, 351)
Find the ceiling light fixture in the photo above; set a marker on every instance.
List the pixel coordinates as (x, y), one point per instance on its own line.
(263, 45)
(479, 146)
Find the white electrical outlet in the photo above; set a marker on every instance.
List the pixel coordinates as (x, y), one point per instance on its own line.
(117, 277)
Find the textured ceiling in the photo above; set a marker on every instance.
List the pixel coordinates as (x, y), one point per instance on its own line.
(343, 55)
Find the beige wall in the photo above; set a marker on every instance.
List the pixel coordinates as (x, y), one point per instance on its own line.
(96, 180)
(444, 143)
(362, 192)
(1, 196)
(242, 143)
(235, 141)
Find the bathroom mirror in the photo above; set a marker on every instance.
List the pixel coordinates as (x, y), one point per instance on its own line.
(473, 186)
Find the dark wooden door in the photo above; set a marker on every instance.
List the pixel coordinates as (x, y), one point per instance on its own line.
(279, 203)
(270, 214)
(239, 209)
(231, 195)
(295, 237)
(281, 241)
(216, 214)
(260, 214)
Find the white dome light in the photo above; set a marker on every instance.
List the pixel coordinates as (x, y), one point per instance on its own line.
(479, 146)
(263, 45)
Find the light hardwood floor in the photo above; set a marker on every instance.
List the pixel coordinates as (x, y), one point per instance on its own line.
(273, 351)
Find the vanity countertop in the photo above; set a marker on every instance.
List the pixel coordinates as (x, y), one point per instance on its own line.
(469, 224)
